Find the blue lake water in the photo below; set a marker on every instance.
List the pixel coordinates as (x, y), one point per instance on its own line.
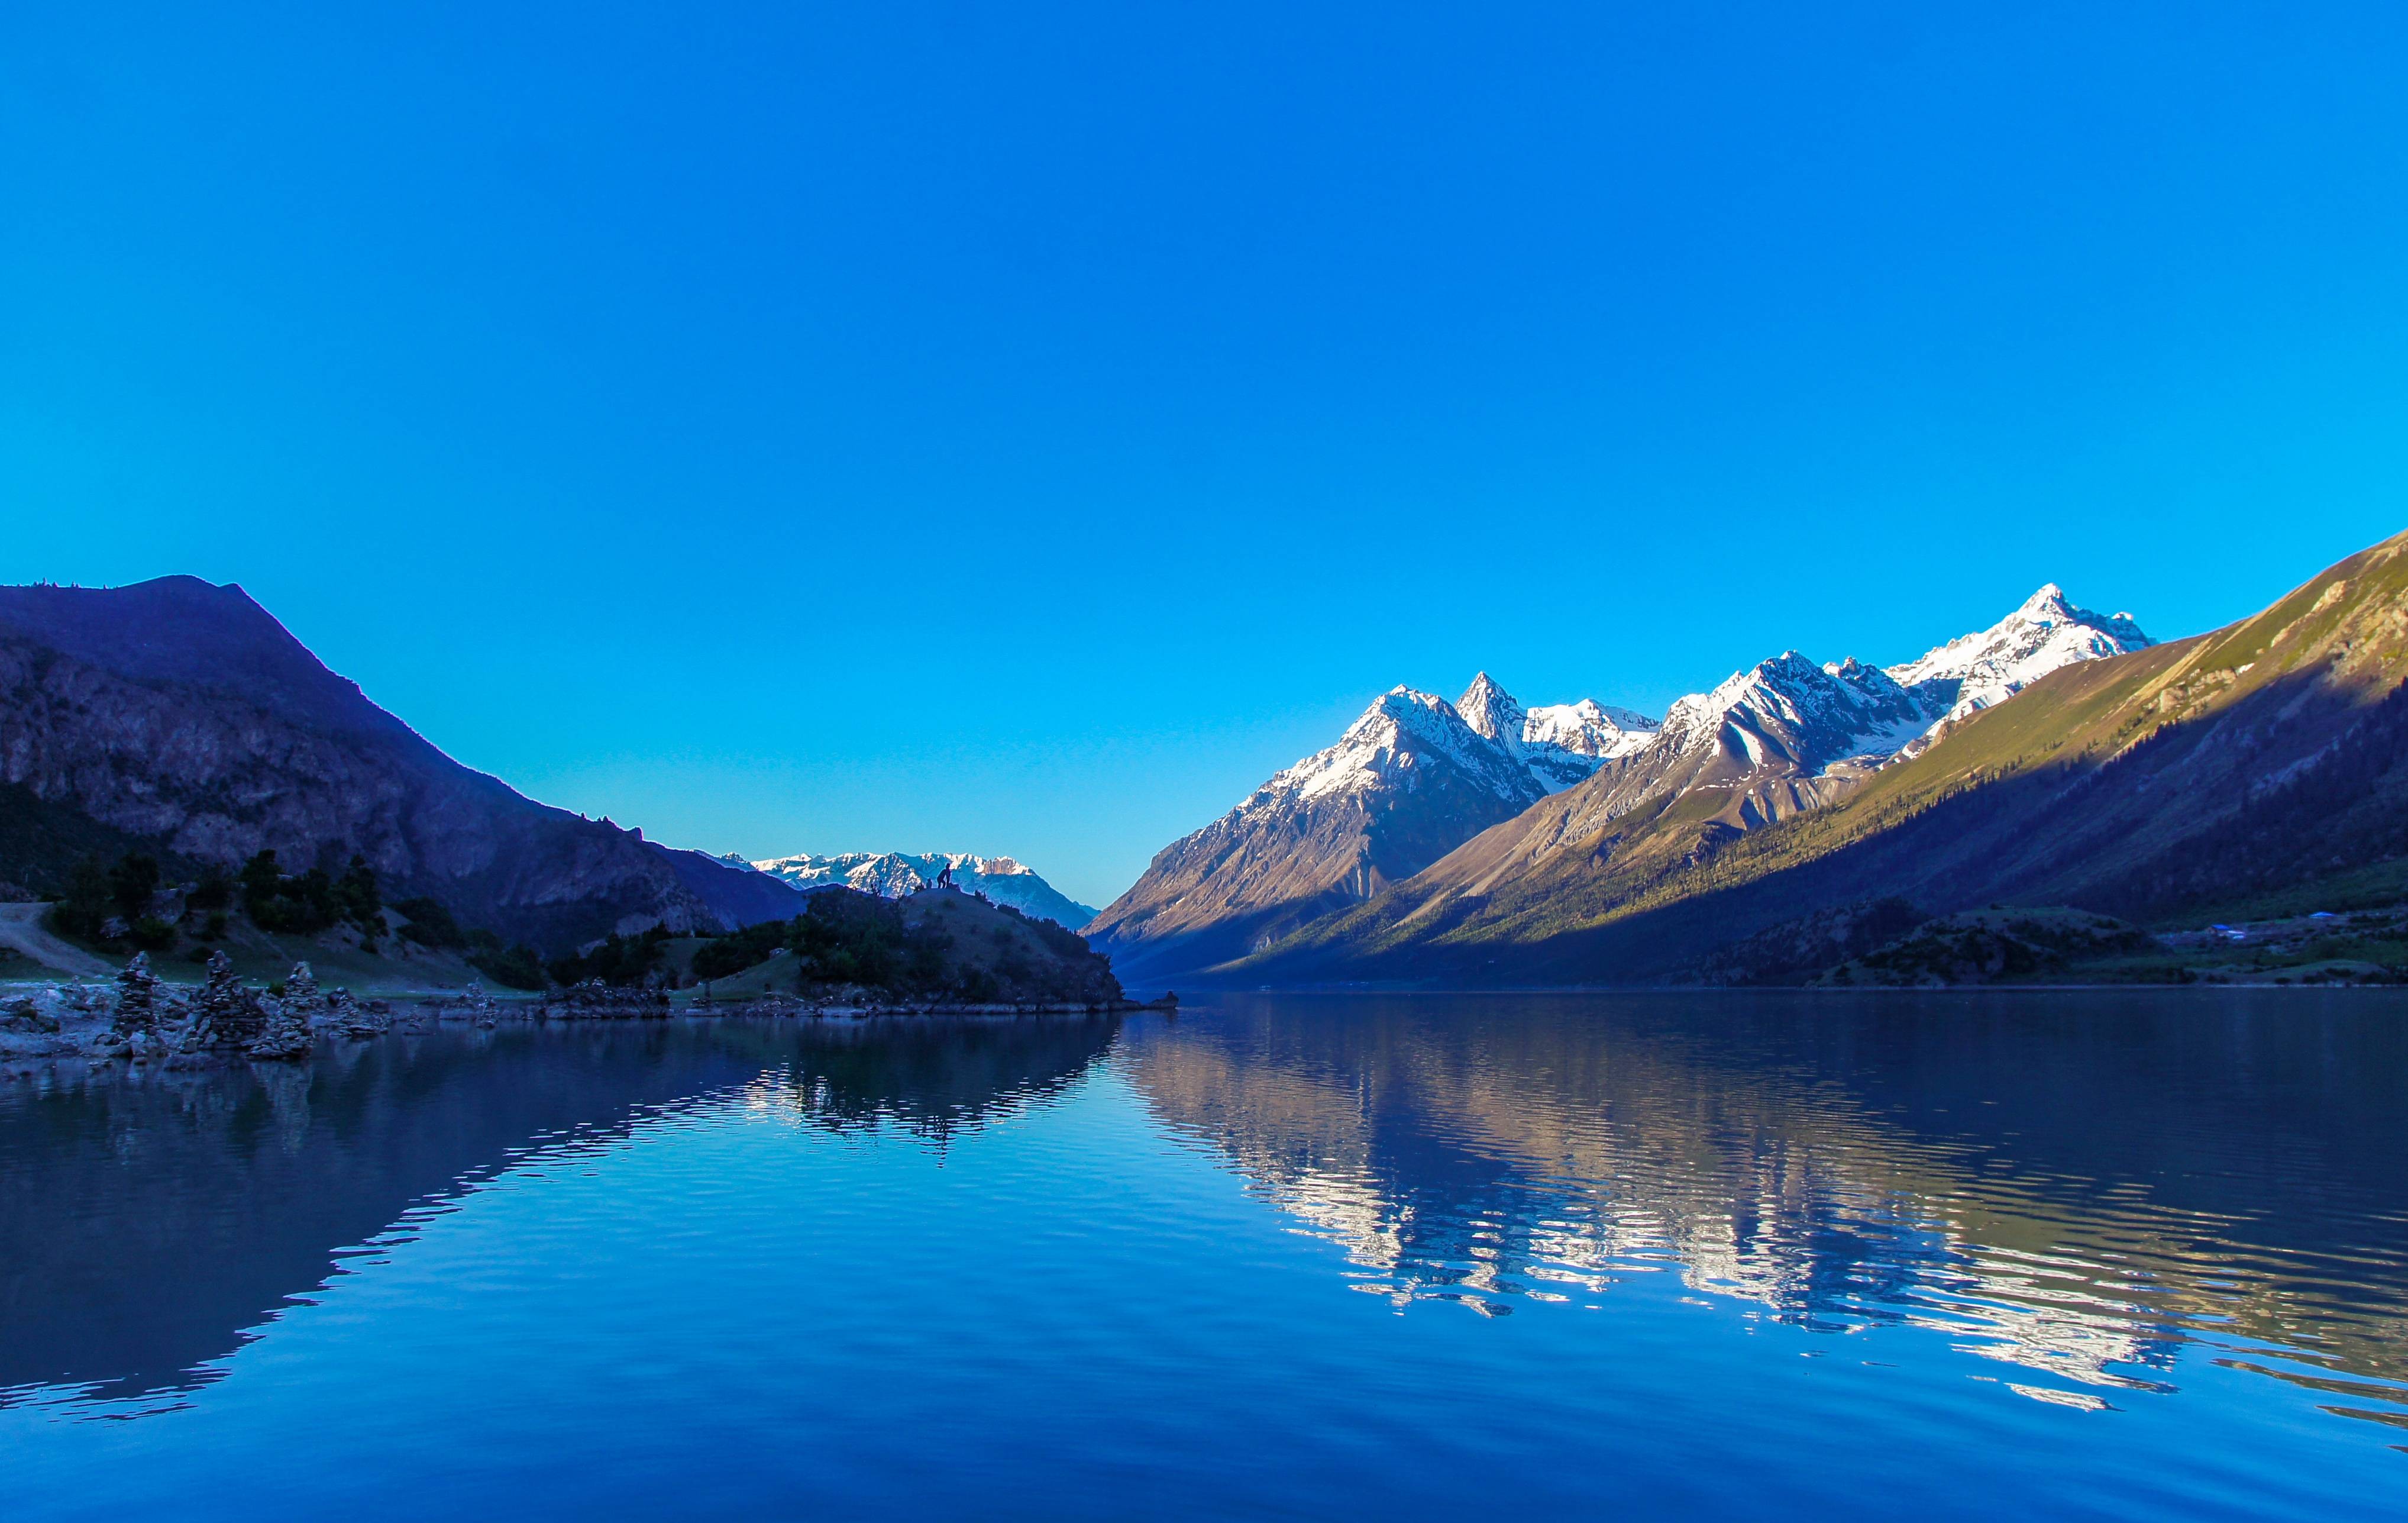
(1965, 1256)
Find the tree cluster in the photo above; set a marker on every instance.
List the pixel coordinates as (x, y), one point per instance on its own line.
(621, 961)
(113, 902)
(307, 903)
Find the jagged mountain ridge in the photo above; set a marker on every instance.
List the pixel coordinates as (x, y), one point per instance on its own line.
(1413, 777)
(181, 714)
(1775, 740)
(2171, 778)
(1993, 665)
(899, 875)
(1788, 735)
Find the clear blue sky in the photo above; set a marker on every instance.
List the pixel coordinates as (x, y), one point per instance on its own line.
(1024, 428)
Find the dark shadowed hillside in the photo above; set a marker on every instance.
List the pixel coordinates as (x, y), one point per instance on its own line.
(181, 715)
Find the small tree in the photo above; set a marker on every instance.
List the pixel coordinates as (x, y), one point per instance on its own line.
(132, 882)
(87, 903)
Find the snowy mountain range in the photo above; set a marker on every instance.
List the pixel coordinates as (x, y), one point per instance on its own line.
(894, 875)
(1788, 735)
(2065, 759)
(1414, 778)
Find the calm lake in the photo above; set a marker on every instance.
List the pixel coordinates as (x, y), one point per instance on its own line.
(1998, 1256)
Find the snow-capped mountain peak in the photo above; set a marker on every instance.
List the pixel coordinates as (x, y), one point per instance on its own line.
(1515, 753)
(894, 875)
(1988, 665)
(1797, 718)
(1791, 712)
(1587, 728)
(1491, 712)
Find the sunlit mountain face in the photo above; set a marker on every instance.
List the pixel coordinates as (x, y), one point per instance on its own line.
(2077, 1188)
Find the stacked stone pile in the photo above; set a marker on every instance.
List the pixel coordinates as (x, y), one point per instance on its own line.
(346, 1016)
(226, 1016)
(595, 1000)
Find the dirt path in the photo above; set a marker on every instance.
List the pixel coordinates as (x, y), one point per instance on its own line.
(21, 930)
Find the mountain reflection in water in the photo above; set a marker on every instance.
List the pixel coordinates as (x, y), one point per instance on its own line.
(2077, 1184)
(148, 1224)
(1049, 1268)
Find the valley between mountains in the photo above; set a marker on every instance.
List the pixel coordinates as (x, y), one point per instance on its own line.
(2054, 792)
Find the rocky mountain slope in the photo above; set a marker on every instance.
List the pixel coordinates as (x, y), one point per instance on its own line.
(2140, 782)
(1788, 735)
(896, 874)
(1411, 779)
(1783, 737)
(179, 715)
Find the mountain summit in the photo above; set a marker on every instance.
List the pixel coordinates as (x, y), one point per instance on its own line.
(2070, 760)
(1412, 777)
(1416, 780)
(180, 717)
(1989, 665)
(901, 874)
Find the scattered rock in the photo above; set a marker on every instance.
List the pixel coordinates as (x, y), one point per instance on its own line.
(595, 1000)
(26, 1015)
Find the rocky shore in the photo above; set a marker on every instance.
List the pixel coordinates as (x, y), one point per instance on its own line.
(139, 1018)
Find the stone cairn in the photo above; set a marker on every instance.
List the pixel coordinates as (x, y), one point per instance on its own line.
(225, 1015)
(137, 1001)
(285, 1035)
(135, 1027)
(484, 1009)
(595, 1000)
(346, 1016)
(302, 996)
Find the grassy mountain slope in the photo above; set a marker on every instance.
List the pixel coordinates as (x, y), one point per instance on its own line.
(2263, 758)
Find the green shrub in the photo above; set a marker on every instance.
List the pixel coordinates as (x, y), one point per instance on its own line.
(87, 903)
(623, 961)
(431, 923)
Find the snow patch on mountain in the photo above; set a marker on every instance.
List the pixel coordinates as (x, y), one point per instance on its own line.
(894, 874)
(1791, 713)
(1990, 666)
(1516, 754)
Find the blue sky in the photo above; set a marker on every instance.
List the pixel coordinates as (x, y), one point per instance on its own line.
(1022, 429)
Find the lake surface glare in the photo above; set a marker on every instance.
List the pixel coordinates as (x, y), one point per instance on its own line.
(1965, 1256)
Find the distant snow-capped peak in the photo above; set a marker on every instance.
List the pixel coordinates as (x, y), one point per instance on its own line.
(1989, 665)
(894, 874)
(1791, 711)
(1515, 752)
(1587, 728)
(1810, 717)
